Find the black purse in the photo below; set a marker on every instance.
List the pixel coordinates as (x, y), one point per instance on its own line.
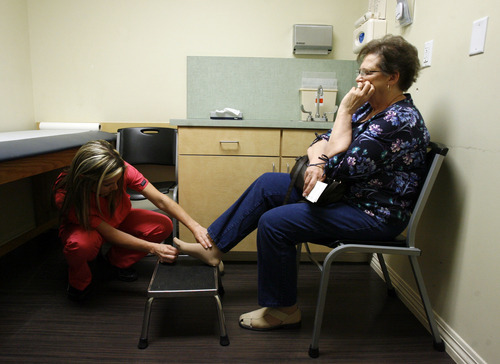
(334, 191)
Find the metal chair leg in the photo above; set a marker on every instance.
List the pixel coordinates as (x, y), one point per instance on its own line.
(320, 307)
(390, 288)
(143, 341)
(299, 255)
(438, 342)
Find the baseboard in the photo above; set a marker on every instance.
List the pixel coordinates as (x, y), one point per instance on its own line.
(456, 347)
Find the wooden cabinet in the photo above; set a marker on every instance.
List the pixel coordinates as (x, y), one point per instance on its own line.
(294, 143)
(216, 164)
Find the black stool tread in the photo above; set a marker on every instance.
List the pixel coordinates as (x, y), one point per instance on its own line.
(186, 276)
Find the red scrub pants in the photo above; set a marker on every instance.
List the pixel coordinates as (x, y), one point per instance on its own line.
(82, 246)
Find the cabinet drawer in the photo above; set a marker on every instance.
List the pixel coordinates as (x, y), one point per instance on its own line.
(229, 141)
(295, 142)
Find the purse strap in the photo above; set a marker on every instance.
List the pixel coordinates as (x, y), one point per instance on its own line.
(295, 174)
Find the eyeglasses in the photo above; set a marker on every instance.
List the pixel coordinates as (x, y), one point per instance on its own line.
(366, 72)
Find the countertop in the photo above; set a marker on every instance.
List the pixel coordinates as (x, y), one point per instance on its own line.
(275, 124)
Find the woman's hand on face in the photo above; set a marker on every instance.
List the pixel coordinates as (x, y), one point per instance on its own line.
(312, 175)
(166, 253)
(357, 97)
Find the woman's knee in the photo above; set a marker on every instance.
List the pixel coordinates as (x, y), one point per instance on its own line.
(82, 244)
(270, 226)
(163, 227)
(150, 225)
(273, 179)
(285, 224)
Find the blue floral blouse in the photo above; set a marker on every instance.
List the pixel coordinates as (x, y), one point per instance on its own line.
(384, 163)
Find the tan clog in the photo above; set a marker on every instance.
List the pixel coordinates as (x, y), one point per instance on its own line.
(255, 320)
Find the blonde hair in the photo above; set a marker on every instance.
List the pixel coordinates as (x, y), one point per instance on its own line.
(95, 162)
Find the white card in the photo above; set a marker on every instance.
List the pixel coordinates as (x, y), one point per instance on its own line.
(318, 189)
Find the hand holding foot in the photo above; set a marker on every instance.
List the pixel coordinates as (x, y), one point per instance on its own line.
(211, 256)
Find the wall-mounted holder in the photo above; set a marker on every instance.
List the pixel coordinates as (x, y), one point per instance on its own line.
(312, 39)
(402, 13)
(369, 30)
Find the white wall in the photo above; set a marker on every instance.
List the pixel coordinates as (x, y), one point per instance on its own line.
(125, 60)
(457, 97)
(16, 94)
(109, 60)
(16, 110)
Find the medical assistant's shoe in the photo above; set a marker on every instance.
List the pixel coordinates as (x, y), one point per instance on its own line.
(255, 320)
(78, 295)
(122, 274)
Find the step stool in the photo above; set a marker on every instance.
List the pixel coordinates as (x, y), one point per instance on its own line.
(186, 277)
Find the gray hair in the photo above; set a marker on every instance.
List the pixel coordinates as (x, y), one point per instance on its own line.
(396, 56)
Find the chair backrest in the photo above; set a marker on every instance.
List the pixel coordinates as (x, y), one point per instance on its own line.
(434, 159)
(148, 145)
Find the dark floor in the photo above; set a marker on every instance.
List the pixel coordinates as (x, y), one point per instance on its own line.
(38, 324)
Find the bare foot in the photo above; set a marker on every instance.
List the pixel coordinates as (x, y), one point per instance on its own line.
(211, 256)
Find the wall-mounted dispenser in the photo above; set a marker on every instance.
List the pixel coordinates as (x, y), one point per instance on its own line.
(369, 30)
(312, 39)
(402, 13)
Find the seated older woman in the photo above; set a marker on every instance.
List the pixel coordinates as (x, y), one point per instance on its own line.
(377, 144)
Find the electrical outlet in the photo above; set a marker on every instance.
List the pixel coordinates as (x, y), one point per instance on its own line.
(426, 61)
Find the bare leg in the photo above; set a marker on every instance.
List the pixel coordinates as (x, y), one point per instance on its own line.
(211, 256)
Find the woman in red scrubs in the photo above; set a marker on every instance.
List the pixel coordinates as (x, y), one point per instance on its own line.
(95, 208)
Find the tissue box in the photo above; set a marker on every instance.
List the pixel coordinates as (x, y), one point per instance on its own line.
(226, 114)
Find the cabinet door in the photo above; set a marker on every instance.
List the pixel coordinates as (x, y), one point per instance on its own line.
(208, 185)
(287, 164)
(296, 141)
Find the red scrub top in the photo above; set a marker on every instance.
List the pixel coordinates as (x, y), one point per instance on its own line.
(133, 179)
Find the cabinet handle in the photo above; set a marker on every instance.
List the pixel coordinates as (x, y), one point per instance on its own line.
(229, 141)
(288, 168)
(273, 168)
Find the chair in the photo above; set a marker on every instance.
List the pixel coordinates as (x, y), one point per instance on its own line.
(148, 149)
(401, 245)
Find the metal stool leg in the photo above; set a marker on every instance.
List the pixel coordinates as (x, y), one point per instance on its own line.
(143, 341)
(224, 339)
(220, 288)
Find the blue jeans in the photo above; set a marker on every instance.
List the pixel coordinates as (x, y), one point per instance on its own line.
(280, 227)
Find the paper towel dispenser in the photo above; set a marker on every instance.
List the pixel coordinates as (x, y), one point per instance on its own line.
(312, 39)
